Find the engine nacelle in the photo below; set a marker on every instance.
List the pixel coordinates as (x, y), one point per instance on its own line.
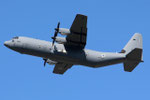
(64, 31)
(51, 62)
(60, 40)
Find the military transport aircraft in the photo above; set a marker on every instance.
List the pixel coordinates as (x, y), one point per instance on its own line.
(70, 50)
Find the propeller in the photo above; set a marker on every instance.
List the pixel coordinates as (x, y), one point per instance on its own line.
(56, 33)
(45, 60)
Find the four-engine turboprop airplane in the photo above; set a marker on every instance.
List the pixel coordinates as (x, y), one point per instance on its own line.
(70, 50)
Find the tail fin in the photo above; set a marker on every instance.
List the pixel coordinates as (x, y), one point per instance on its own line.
(133, 51)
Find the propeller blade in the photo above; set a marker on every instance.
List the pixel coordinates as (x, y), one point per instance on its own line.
(45, 60)
(56, 33)
(58, 25)
(53, 42)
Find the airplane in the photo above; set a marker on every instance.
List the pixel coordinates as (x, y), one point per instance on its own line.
(64, 52)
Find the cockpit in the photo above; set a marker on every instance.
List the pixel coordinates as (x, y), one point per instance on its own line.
(15, 38)
(13, 43)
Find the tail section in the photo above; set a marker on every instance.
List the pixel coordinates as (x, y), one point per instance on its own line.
(133, 51)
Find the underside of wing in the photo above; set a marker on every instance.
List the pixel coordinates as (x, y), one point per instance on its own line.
(60, 68)
(78, 30)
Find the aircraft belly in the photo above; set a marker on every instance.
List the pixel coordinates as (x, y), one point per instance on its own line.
(75, 57)
(67, 58)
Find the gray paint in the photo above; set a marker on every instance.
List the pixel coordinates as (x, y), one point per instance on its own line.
(64, 56)
(60, 53)
(70, 50)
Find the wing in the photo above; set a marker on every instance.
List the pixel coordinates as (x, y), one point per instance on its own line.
(60, 68)
(78, 30)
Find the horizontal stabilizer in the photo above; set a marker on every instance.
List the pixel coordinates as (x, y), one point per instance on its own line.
(130, 65)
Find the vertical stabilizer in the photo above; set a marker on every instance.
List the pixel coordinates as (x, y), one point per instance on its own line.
(135, 42)
(133, 51)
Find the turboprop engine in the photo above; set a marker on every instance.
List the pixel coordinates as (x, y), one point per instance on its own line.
(60, 40)
(51, 62)
(64, 31)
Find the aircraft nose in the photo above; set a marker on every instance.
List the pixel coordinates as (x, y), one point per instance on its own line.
(6, 43)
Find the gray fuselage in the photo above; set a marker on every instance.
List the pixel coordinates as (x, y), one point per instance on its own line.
(61, 53)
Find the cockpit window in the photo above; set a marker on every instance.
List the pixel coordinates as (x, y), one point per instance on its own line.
(15, 37)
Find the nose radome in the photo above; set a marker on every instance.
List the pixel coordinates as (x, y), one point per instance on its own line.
(6, 43)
